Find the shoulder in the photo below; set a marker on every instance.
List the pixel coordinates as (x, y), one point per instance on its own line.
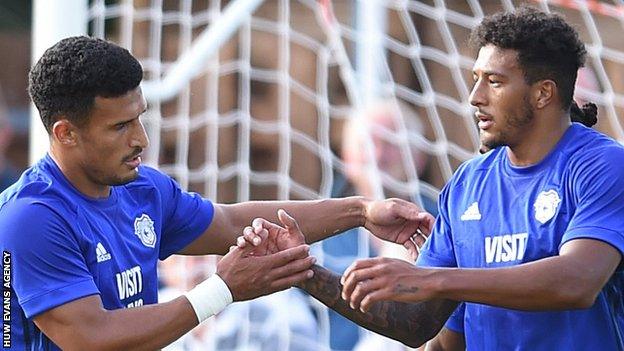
(24, 220)
(595, 153)
(37, 188)
(477, 167)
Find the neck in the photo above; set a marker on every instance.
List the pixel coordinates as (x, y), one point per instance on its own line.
(77, 177)
(539, 140)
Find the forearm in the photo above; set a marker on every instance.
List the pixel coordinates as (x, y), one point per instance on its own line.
(318, 219)
(553, 283)
(411, 324)
(150, 327)
(147, 327)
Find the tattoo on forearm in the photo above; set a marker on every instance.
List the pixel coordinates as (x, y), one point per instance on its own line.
(405, 289)
(410, 323)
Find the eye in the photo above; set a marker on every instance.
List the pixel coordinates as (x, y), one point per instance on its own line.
(494, 82)
(121, 126)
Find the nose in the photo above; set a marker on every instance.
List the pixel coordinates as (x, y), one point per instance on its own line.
(477, 95)
(139, 137)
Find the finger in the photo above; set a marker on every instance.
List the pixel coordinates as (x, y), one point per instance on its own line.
(291, 268)
(427, 222)
(262, 233)
(245, 250)
(356, 276)
(412, 249)
(359, 264)
(283, 257)
(260, 223)
(419, 240)
(251, 236)
(412, 212)
(373, 297)
(362, 289)
(407, 210)
(289, 281)
(241, 242)
(287, 220)
(236, 251)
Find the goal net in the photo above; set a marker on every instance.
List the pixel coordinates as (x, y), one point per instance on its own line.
(310, 99)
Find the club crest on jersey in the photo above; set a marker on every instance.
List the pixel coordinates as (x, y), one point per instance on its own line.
(546, 205)
(144, 229)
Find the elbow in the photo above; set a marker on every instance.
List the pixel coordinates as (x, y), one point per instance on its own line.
(415, 343)
(577, 297)
(88, 339)
(582, 302)
(416, 340)
(79, 342)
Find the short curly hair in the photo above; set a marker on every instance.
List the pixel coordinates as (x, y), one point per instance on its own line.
(70, 74)
(547, 46)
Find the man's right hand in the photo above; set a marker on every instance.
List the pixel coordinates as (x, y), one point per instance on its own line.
(249, 276)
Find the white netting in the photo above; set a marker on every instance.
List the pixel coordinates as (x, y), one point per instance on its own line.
(302, 86)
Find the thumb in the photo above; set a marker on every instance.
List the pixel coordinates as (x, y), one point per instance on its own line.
(287, 221)
(427, 223)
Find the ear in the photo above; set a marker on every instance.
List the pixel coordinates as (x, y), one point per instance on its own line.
(544, 92)
(64, 132)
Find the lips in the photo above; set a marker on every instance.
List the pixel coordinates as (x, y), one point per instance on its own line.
(134, 161)
(485, 121)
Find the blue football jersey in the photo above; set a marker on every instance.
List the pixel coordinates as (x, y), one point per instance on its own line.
(60, 245)
(493, 214)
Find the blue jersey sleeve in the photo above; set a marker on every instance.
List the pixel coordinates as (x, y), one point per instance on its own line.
(599, 188)
(438, 250)
(49, 269)
(456, 320)
(186, 216)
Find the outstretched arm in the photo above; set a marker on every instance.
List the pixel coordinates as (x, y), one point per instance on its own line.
(410, 323)
(394, 220)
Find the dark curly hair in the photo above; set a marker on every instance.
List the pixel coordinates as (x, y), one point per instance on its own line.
(70, 74)
(547, 47)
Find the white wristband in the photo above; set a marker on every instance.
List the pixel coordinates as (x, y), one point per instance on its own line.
(209, 297)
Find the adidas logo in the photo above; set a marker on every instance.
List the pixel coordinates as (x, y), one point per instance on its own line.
(472, 213)
(101, 253)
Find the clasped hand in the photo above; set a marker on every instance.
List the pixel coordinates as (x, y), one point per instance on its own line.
(372, 280)
(366, 281)
(280, 261)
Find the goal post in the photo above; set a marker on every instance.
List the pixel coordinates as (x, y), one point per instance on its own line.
(51, 23)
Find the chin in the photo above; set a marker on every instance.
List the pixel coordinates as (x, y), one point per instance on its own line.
(125, 179)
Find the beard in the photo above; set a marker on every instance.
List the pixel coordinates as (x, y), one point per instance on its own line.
(116, 180)
(512, 124)
(107, 178)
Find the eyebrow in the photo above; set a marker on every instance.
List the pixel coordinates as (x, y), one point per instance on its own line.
(491, 73)
(131, 119)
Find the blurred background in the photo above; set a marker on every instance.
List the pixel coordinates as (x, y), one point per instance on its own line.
(303, 99)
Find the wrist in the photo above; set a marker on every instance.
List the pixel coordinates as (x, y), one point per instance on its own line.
(438, 280)
(209, 297)
(362, 208)
(306, 283)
